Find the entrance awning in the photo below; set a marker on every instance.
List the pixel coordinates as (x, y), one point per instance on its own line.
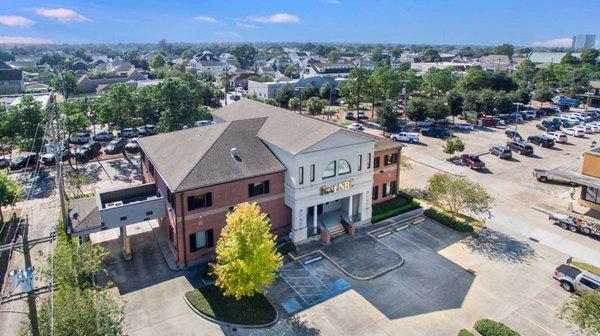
(575, 176)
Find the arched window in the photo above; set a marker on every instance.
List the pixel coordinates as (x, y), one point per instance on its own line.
(329, 170)
(343, 167)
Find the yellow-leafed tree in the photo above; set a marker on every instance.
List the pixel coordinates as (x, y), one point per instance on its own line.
(246, 255)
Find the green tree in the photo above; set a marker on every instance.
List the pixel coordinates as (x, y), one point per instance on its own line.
(417, 109)
(584, 312)
(455, 102)
(431, 55)
(22, 123)
(315, 105)
(504, 49)
(333, 56)
(10, 191)
(376, 54)
(76, 179)
(325, 91)
(437, 109)
(383, 83)
(525, 73)
(117, 106)
(66, 85)
(453, 145)
(386, 115)
(289, 70)
(74, 117)
(146, 104)
(569, 59)
(158, 61)
(500, 81)
(543, 94)
(459, 195)
(589, 56)
(246, 256)
(294, 103)
(437, 81)
(245, 54)
(546, 77)
(473, 79)
(308, 92)
(284, 94)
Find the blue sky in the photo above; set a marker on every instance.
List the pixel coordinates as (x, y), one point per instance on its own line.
(482, 22)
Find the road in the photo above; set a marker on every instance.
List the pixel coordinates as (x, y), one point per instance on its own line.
(519, 197)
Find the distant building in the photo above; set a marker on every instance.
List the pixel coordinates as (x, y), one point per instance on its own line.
(90, 84)
(583, 41)
(495, 62)
(207, 62)
(11, 80)
(542, 57)
(593, 97)
(79, 64)
(335, 70)
(269, 89)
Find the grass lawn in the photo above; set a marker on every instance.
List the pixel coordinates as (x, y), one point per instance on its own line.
(254, 310)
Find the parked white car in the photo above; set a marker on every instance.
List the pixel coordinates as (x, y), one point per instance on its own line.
(405, 137)
(103, 136)
(355, 127)
(576, 132)
(559, 137)
(80, 137)
(585, 128)
(464, 127)
(572, 119)
(595, 128)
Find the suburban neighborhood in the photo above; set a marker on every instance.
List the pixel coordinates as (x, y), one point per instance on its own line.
(232, 170)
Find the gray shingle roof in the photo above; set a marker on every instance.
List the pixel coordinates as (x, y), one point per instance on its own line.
(285, 129)
(201, 156)
(83, 215)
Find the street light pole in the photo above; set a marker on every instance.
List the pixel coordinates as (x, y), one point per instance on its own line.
(516, 119)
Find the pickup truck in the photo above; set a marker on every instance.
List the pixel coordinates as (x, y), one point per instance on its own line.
(543, 176)
(405, 136)
(472, 161)
(573, 279)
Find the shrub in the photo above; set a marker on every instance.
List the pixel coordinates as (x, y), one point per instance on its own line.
(492, 328)
(453, 222)
(389, 204)
(465, 332)
(405, 195)
(393, 212)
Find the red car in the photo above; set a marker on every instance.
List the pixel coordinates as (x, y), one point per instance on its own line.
(472, 161)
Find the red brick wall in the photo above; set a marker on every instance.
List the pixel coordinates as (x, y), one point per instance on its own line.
(384, 174)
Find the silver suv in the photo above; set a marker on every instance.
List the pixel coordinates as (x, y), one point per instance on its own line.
(573, 279)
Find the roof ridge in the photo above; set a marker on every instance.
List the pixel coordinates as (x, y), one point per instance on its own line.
(203, 155)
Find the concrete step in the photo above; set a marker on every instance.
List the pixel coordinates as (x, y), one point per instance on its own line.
(337, 231)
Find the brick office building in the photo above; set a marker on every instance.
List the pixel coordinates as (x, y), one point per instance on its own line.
(306, 174)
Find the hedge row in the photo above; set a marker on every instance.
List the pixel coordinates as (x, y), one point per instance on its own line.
(393, 203)
(394, 212)
(448, 220)
(465, 332)
(492, 328)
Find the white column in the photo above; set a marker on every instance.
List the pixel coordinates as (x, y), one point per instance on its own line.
(315, 219)
(299, 225)
(350, 208)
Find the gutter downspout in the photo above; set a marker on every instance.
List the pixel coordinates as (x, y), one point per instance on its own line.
(398, 171)
(183, 232)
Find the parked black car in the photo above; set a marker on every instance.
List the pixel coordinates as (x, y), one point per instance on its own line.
(349, 116)
(549, 110)
(116, 146)
(436, 132)
(520, 147)
(513, 135)
(132, 146)
(87, 151)
(541, 141)
(24, 160)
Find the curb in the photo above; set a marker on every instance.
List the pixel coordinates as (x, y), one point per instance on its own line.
(251, 326)
(162, 251)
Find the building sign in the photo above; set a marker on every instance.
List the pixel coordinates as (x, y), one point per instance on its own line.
(345, 185)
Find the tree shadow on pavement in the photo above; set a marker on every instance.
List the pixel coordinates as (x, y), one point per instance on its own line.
(301, 327)
(127, 170)
(499, 246)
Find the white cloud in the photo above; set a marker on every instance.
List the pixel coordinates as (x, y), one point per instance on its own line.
(245, 25)
(15, 21)
(206, 19)
(276, 18)
(23, 40)
(558, 42)
(61, 14)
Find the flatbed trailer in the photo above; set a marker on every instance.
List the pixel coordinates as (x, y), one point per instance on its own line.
(576, 223)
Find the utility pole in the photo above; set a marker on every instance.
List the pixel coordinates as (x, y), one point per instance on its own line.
(33, 317)
(404, 98)
(59, 180)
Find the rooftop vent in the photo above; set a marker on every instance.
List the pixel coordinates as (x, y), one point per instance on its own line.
(235, 154)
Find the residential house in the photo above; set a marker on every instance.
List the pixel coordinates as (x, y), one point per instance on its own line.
(207, 62)
(89, 84)
(336, 70)
(11, 80)
(268, 90)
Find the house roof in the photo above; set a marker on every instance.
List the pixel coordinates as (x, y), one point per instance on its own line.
(284, 129)
(385, 144)
(210, 162)
(4, 66)
(84, 215)
(548, 57)
(8, 74)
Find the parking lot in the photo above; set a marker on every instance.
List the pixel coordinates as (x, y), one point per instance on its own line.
(522, 203)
